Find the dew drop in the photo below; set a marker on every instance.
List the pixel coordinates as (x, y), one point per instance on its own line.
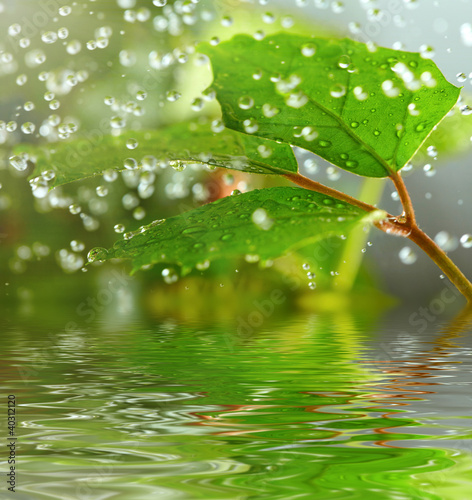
(308, 49)
(97, 254)
(130, 163)
(269, 111)
(245, 102)
(101, 191)
(173, 95)
(337, 91)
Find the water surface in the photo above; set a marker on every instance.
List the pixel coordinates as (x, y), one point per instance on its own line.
(326, 407)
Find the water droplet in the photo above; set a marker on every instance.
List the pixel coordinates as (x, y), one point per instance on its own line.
(173, 95)
(139, 213)
(117, 122)
(446, 242)
(119, 228)
(49, 37)
(245, 102)
(325, 144)
(202, 266)
(97, 254)
(432, 151)
(420, 127)
(28, 127)
(333, 173)
(359, 94)
(250, 126)
(261, 219)
(296, 100)
(77, 246)
(130, 164)
(217, 126)
(18, 162)
(197, 104)
(170, 275)
(354, 124)
(73, 47)
(308, 49)
(311, 285)
(264, 150)
(65, 10)
(251, 258)
(466, 110)
(337, 91)
(75, 209)
(48, 175)
(344, 61)
(101, 191)
(131, 143)
(110, 175)
(461, 77)
(62, 33)
(427, 51)
(269, 111)
(407, 256)
(429, 170)
(466, 240)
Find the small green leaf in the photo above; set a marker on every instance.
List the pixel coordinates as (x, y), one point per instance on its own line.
(187, 142)
(261, 224)
(366, 111)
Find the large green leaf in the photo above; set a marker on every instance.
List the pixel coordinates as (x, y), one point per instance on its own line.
(187, 142)
(366, 110)
(263, 223)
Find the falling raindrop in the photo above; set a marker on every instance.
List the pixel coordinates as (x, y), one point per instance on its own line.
(407, 256)
(466, 240)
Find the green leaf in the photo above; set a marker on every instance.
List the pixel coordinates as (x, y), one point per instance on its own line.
(185, 142)
(451, 137)
(261, 223)
(366, 111)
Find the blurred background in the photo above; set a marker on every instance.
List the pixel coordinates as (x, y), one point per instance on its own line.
(81, 69)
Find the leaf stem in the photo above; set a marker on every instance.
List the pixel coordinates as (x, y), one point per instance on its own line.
(307, 183)
(439, 256)
(408, 211)
(404, 226)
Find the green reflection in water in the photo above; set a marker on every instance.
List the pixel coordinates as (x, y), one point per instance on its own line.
(320, 407)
